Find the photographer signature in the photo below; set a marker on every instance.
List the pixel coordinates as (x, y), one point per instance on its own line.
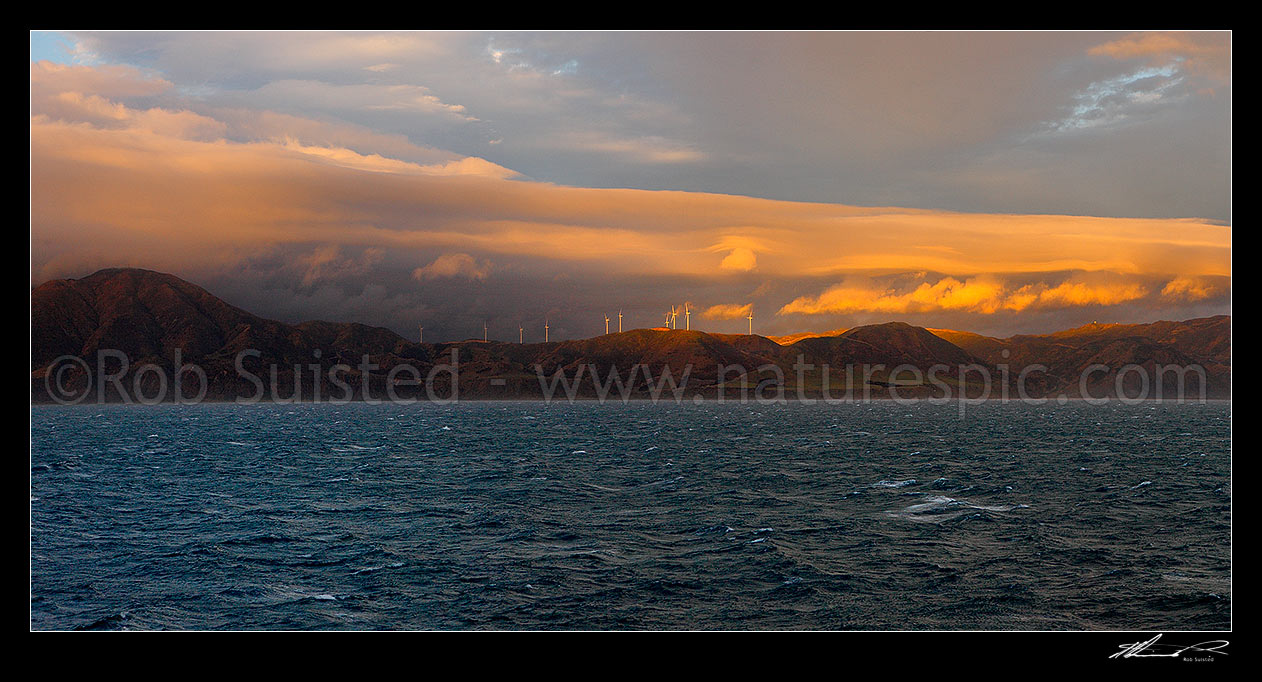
(1151, 649)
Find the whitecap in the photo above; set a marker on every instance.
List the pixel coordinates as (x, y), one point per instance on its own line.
(893, 484)
(937, 508)
(374, 569)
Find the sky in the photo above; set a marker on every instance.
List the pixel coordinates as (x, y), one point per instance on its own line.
(995, 182)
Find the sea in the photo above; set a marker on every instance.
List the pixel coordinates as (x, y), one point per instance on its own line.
(639, 516)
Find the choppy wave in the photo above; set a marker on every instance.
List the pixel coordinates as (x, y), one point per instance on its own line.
(523, 515)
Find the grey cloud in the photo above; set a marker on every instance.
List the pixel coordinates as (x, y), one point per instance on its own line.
(860, 118)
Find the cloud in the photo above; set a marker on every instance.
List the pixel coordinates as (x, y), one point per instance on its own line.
(178, 185)
(836, 117)
(328, 262)
(145, 177)
(208, 56)
(1075, 294)
(96, 110)
(308, 95)
(1191, 289)
(380, 164)
(740, 259)
(1206, 53)
(271, 126)
(648, 149)
(981, 295)
(451, 265)
(728, 311)
(107, 80)
(1166, 70)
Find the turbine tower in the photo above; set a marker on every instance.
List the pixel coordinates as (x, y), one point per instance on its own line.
(545, 330)
(484, 332)
(751, 320)
(619, 321)
(521, 334)
(687, 317)
(606, 324)
(420, 334)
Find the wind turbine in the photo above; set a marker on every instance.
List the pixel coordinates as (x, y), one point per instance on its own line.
(606, 324)
(687, 317)
(673, 318)
(521, 334)
(420, 334)
(619, 321)
(545, 330)
(484, 332)
(751, 320)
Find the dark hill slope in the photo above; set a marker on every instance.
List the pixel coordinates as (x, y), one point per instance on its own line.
(149, 316)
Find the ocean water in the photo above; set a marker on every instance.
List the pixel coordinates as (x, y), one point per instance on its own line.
(585, 516)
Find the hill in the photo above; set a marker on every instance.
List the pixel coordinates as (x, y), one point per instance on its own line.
(158, 319)
(1204, 342)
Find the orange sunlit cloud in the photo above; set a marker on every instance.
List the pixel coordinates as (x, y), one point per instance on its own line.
(458, 265)
(141, 180)
(1204, 53)
(1191, 288)
(728, 311)
(985, 295)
